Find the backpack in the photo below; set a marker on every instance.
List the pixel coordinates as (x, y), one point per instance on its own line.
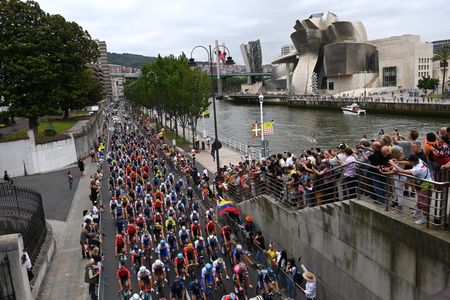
(86, 275)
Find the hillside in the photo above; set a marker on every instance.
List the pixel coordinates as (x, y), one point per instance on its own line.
(128, 59)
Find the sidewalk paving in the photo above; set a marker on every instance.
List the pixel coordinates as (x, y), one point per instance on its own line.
(226, 156)
(65, 278)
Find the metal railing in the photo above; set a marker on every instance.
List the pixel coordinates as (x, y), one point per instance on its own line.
(429, 199)
(247, 150)
(24, 205)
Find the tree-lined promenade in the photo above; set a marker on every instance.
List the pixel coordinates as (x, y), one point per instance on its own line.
(170, 88)
(44, 63)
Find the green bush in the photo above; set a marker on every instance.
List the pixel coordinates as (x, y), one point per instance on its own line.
(50, 132)
(437, 96)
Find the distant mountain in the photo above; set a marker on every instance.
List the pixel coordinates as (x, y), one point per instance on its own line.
(129, 60)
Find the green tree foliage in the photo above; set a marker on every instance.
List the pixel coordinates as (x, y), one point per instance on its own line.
(428, 83)
(42, 61)
(170, 88)
(443, 56)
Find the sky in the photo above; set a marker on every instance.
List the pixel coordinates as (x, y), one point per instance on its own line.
(166, 27)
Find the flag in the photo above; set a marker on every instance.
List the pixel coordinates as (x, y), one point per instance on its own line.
(256, 130)
(222, 56)
(268, 128)
(227, 206)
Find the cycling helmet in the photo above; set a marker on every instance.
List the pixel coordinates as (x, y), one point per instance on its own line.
(194, 212)
(220, 260)
(232, 296)
(157, 213)
(142, 269)
(200, 238)
(180, 256)
(239, 247)
(162, 242)
(211, 209)
(141, 215)
(170, 218)
(249, 219)
(242, 266)
(195, 222)
(190, 245)
(135, 297)
(183, 228)
(136, 246)
(158, 262)
(208, 267)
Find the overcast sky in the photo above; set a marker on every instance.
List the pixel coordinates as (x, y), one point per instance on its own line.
(172, 26)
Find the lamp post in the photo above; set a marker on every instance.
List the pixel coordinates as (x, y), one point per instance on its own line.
(263, 143)
(229, 61)
(365, 72)
(339, 84)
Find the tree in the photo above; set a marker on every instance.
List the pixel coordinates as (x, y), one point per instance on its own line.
(428, 83)
(26, 75)
(42, 61)
(443, 56)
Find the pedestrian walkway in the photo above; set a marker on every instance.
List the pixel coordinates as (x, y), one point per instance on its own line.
(226, 156)
(65, 278)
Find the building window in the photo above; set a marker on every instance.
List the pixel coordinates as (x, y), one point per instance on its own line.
(390, 76)
(330, 86)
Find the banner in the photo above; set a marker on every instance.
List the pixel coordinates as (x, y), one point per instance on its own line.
(256, 130)
(268, 128)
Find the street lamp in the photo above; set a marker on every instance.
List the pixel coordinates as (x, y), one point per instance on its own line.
(263, 144)
(229, 61)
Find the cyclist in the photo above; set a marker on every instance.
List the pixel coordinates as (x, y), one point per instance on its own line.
(144, 279)
(196, 289)
(267, 281)
(190, 254)
(146, 242)
(199, 246)
(208, 275)
(210, 216)
(211, 227)
(129, 212)
(136, 257)
(171, 212)
(157, 218)
(220, 268)
(170, 224)
(113, 205)
(194, 216)
(241, 275)
(140, 222)
(124, 278)
(120, 245)
(213, 243)
(132, 233)
(196, 230)
(157, 232)
(157, 205)
(120, 223)
(177, 290)
(237, 254)
(182, 220)
(180, 264)
(190, 193)
(163, 252)
(230, 296)
(183, 235)
(159, 273)
(172, 240)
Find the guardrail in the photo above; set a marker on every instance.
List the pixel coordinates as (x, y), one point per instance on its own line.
(247, 150)
(429, 199)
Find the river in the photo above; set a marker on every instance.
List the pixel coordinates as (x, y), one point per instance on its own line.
(294, 128)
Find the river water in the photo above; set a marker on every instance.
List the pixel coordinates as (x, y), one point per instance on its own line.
(297, 129)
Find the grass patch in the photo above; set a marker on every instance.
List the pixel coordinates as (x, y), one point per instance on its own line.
(14, 136)
(60, 126)
(179, 140)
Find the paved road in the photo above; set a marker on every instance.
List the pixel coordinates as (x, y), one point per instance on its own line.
(54, 188)
(111, 263)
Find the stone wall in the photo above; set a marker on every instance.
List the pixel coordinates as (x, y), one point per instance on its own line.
(12, 246)
(357, 252)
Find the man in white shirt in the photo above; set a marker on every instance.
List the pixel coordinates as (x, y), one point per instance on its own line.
(310, 286)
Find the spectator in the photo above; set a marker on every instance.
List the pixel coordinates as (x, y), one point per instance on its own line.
(26, 261)
(259, 242)
(91, 277)
(291, 271)
(81, 167)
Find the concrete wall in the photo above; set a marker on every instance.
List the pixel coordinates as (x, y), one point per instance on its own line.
(25, 157)
(356, 252)
(86, 139)
(12, 245)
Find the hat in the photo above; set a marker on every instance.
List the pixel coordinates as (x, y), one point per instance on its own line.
(308, 276)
